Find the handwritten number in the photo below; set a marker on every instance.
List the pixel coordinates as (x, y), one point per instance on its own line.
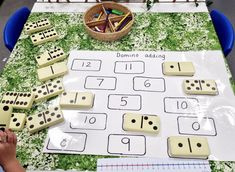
(182, 105)
(123, 101)
(101, 81)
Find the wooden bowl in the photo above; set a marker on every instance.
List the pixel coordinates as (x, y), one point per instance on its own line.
(112, 32)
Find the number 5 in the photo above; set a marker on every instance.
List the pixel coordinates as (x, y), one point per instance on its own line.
(123, 101)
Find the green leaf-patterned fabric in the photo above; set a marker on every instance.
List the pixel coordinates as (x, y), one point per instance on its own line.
(150, 32)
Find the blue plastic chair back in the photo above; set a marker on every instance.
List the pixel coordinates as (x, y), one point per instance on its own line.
(14, 27)
(224, 30)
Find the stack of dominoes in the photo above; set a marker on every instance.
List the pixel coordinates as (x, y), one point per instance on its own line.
(190, 86)
(49, 68)
(50, 117)
(44, 30)
(24, 100)
(16, 100)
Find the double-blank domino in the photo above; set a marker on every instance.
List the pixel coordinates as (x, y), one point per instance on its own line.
(50, 57)
(203, 87)
(82, 100)
(31, 27)
(5, 116)
(44, 119)
(44, 36)
(141, 123)
(19, 100)
(48, 90)
(52, 71)
(188, 147)
(178, 68)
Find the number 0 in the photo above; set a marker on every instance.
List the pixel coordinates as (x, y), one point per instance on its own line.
(182, 105)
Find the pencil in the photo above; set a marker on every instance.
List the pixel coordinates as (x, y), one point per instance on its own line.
(122, 20)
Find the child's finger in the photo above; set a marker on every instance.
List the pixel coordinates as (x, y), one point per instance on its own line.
(14, 138)
(3, 136)
(9, 136)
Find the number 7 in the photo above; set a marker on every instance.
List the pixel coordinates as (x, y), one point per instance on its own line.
(101, 81)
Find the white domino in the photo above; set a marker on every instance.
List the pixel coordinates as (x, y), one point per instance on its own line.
(44, 119)
(50, 57)
(19, 100)
(48, 90)
(5, 116)
(178, 68)
(141, 123)
(203, 87)
(83, 100)
(52, 71)
(31, 27)
(188, 147)
(44, 36)
(17, 121)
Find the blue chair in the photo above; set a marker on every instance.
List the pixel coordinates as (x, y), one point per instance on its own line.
(14, 27)
(224, 30)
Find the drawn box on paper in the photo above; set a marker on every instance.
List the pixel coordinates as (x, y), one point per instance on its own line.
(129, 67)
(100, 83)
(181, 105)
(122, 144)
(86, 65)
(196, 126)
(149, 84)
(74, 142)
(89, 121)
(124, 102)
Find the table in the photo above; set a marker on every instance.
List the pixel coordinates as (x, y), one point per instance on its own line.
(183, 31)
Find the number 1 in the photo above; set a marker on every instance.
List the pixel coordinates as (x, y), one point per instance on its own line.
(130, 66)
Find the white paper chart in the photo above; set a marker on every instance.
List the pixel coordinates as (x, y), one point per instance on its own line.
(125, 82)
(151, 165)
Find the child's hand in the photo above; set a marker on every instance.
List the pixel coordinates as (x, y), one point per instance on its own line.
(8, 152)
(7, 147)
